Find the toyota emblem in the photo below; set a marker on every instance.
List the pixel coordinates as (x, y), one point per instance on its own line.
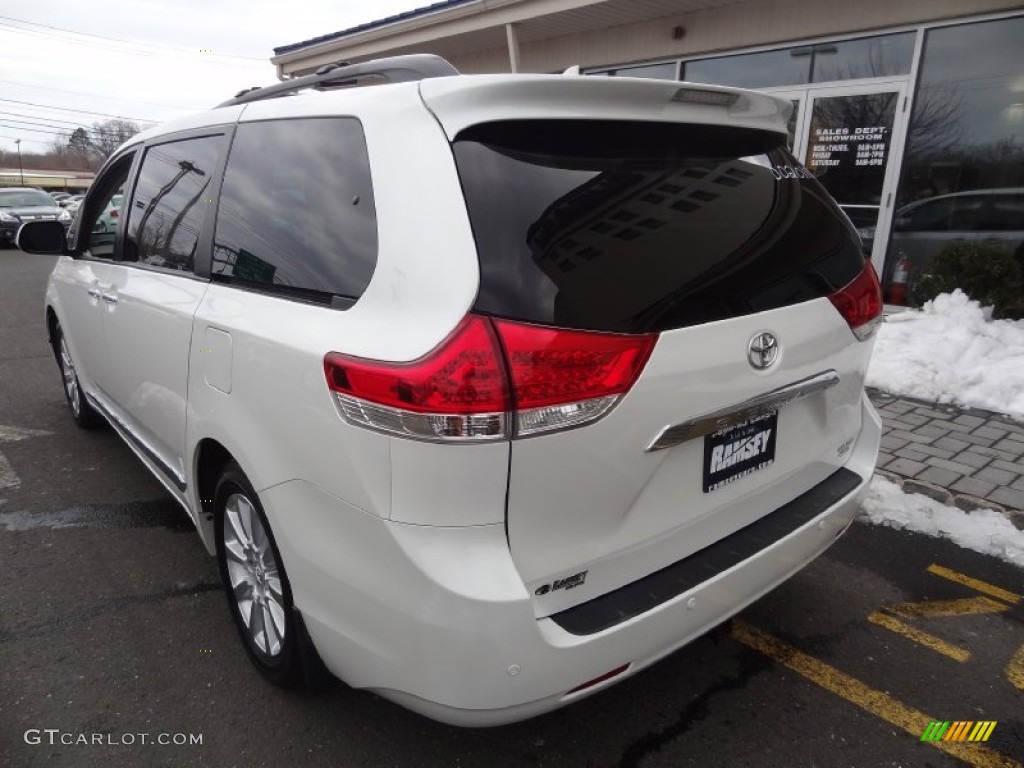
(763, 350)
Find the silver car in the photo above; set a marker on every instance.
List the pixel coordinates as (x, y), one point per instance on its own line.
(922, 229)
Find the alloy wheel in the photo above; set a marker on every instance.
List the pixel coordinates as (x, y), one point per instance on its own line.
(254, 576)
(70, 379)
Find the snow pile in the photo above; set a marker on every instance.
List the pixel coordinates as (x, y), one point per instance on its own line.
(950, 351)
(983, 530)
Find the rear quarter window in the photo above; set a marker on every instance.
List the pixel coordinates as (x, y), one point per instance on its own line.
(640, 227)
(296, 212)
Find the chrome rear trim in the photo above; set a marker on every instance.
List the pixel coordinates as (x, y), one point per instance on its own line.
(749, 409)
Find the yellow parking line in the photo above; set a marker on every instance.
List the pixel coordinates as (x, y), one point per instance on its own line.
(918, 636)
(1015, 669)
(877, 703)
(960, 607)
(975, 584)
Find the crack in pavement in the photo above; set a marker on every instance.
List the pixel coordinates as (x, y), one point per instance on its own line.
(110, 606)
(695, 711)
(133, 514)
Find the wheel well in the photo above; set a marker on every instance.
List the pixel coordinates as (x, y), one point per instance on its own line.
(211, 458)
(51, 326)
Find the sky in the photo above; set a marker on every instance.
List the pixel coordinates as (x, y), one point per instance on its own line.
(64, 63)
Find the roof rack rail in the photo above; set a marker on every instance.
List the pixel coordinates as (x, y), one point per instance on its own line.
(397, 69)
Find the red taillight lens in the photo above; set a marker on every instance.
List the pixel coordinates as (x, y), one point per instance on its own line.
(546, 378)
(550, 366)
(114, 213)
(860, 303)
(464, 375)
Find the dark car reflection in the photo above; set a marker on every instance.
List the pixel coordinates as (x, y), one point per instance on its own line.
(922, 229)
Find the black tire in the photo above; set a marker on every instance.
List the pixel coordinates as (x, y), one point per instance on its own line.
(83, 413)
(249, 582)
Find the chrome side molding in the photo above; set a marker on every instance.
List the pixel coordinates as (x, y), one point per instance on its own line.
(127, 431)
(749, 409)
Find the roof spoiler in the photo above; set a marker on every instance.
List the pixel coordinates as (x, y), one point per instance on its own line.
(397, 69)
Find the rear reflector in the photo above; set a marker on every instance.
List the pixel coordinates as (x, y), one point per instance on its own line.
(606, 676)
(860, 303)
(491, 379)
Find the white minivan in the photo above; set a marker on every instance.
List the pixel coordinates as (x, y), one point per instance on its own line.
(486, 391)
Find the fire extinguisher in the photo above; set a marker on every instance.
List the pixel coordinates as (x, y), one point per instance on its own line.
(898, 283)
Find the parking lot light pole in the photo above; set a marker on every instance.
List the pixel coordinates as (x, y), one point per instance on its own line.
(21, 170)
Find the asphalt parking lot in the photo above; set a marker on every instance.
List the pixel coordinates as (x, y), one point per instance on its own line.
(112, 622)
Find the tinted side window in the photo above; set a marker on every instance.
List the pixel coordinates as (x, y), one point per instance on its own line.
(932, 216)
(296, 209)
(1004, 213)
(169, 203)
(95, 224)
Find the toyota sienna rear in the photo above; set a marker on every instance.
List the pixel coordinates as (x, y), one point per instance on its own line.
(570, 371)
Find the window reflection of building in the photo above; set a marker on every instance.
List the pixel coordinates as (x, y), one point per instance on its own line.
(695, 228)
(595, 219)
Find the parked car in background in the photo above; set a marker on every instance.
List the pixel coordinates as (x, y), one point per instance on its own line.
(71, 200)
(58, 196)
(545, 377)
(21, 204)
(107, 221)
(923, 228)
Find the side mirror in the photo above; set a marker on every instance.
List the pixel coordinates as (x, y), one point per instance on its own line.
(41, 237)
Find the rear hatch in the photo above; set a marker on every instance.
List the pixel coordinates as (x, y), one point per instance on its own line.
(696, 226)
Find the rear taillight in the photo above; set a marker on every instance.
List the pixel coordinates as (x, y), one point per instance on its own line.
(860, 303)
(563, 378)
(114, 213)
(491, 380)
(458, 391)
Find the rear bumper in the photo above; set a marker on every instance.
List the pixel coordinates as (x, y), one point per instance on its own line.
(438, 620)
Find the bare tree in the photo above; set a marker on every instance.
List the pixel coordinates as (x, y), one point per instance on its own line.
(88, 148)
(107, 136)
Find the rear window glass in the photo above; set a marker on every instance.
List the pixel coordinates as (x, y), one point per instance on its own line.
(639, 227)
(296, 213)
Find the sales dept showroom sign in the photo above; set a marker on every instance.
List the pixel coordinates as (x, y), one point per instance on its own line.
(844, 148)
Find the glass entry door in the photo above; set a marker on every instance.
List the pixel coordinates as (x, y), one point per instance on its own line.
(845, 136)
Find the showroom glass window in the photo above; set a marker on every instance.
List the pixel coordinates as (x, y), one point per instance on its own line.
(666, 71)
(963, 171)
(866, 57)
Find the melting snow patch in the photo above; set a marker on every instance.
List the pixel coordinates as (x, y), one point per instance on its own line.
(983, 530)
(951, 351)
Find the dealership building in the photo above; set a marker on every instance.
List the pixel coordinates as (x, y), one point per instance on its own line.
(910, 112)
